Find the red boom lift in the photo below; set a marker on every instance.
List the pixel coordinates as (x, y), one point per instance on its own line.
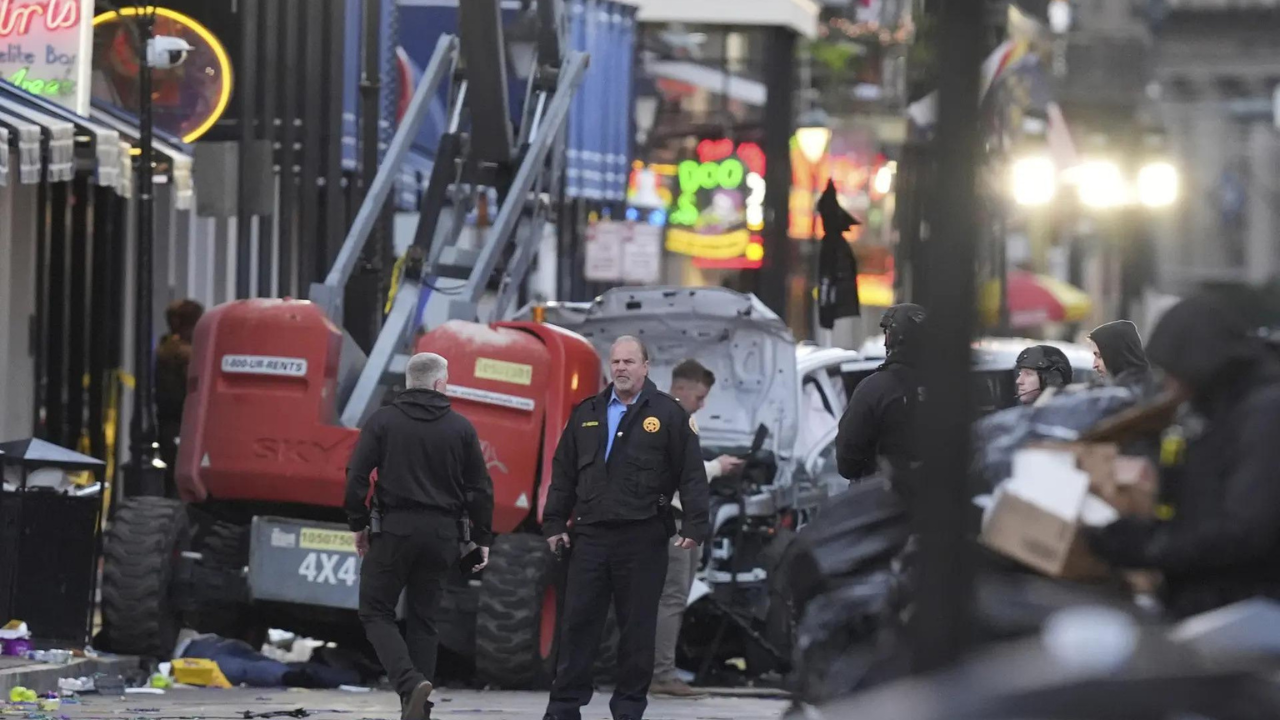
(277, 392)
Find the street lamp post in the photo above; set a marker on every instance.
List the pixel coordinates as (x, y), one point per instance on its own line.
(145, 473)
(813, 137)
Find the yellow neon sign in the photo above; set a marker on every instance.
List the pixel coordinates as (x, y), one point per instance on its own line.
(219, 52)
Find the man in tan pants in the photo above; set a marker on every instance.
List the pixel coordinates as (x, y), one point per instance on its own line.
(691, 382)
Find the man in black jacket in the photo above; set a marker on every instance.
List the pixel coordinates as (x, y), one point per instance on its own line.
(430, 470)
(880, 419)
(623, 456)
(1223, 543)
(1118, 356)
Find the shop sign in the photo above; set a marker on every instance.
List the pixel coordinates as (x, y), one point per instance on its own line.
(45, 49)
(603, 253)
(642, 254)
(624, 252)
(718, 211)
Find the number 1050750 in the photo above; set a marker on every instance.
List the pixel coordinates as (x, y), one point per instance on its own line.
(329, 568)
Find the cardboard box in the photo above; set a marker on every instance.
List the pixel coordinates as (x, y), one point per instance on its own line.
(1129, 484)
(1137, 486)
(1036, 515)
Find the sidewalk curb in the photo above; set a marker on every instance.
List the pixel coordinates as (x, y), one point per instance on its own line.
(43, 678)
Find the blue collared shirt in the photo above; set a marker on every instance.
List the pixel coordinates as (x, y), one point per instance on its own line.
(614, 414)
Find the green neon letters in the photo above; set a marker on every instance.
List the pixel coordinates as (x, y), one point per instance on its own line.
(35, 86)
(694, 177)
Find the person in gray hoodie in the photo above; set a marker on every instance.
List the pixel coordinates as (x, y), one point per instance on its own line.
(1118, 357)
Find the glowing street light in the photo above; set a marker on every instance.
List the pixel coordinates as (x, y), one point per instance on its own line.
(1034, 181)
(1100, 184)
(1158, 184)
(813, 134)
(883, 181)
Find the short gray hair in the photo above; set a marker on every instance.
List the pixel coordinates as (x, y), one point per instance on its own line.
(424, 369)
(644, 350)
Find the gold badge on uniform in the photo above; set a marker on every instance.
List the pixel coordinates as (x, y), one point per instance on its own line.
(651, 424)
(693, 425)
(590, 423)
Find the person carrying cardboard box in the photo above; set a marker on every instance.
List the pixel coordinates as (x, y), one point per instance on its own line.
(1222, 544)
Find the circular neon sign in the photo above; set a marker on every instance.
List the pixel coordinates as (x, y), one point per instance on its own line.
(187, 100)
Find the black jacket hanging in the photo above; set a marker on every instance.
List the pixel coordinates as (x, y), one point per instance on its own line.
(837, 266)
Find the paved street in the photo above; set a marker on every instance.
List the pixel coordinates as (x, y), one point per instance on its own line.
(334, 705)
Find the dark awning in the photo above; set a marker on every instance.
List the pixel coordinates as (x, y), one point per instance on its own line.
(64, 132)
(165, 144)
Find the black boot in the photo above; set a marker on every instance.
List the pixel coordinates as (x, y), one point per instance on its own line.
(417, 706)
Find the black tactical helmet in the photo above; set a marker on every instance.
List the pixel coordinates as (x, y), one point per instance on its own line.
(900, 324)
(1050, 363)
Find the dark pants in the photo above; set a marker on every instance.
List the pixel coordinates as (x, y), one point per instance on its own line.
(416, 558)
(628, 563)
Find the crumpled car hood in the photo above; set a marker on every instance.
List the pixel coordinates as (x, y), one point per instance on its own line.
(747, 346)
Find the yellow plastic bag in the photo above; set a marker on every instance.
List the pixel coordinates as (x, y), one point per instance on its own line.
(200, 672)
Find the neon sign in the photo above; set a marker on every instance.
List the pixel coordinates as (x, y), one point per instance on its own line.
(189, 99)
(36, 86)
(719, 210)
(45, 46)
(17, 19)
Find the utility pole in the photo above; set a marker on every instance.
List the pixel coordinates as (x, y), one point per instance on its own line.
(941, 622)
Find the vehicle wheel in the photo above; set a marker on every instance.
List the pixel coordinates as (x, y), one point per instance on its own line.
(225, 547)
(516, 614)
(141, 548)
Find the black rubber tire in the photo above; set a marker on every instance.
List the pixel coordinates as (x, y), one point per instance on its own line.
(226, 546)
(509, 613)
(140, 548)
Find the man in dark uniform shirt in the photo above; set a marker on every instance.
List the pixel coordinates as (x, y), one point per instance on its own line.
(623, 456)
(880, 420)
(430, 471)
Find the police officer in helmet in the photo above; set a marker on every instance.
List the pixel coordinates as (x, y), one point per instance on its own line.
(880, 420)
(623, 455)
(1039, 368)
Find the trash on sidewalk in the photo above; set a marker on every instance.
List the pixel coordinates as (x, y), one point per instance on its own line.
(1034, 516)
(354, 689)
(296, 713)
(76, 685)
(199, 672)
(143, 691)
(109, 685)
(50, 657)
(17, 647)
(20, 694)
(49, 704)
(15, 639)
